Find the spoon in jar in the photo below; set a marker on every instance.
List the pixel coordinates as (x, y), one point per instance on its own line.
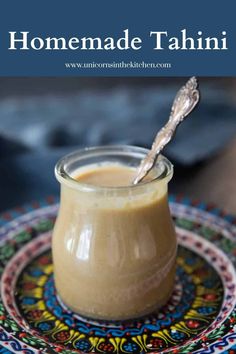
(185, 101)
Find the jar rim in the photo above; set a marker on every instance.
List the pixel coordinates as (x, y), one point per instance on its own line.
(64, 177)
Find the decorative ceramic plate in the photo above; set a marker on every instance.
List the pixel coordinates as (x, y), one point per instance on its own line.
(200, 316)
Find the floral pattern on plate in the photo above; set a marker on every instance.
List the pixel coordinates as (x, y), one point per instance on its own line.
(199, 317)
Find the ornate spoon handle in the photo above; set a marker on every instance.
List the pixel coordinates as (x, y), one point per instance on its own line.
(185, 101)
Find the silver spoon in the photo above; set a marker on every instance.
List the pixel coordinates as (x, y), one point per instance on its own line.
(185, 101)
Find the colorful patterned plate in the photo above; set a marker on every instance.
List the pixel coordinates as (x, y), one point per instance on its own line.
(200, 317)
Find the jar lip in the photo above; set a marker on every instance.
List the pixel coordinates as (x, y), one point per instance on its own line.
(64, 177)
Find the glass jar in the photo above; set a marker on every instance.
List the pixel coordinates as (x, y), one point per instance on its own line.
(114, 248)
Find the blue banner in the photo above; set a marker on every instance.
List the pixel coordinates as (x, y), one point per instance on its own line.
(118, 38)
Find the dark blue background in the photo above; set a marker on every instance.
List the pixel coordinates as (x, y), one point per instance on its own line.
(42, 119)
(110, 18)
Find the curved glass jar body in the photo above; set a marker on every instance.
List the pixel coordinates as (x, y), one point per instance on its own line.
(113, 248)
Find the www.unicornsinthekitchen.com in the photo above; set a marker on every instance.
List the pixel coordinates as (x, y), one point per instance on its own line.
(118, 65)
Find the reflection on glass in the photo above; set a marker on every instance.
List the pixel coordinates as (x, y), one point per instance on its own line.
(84, 244)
